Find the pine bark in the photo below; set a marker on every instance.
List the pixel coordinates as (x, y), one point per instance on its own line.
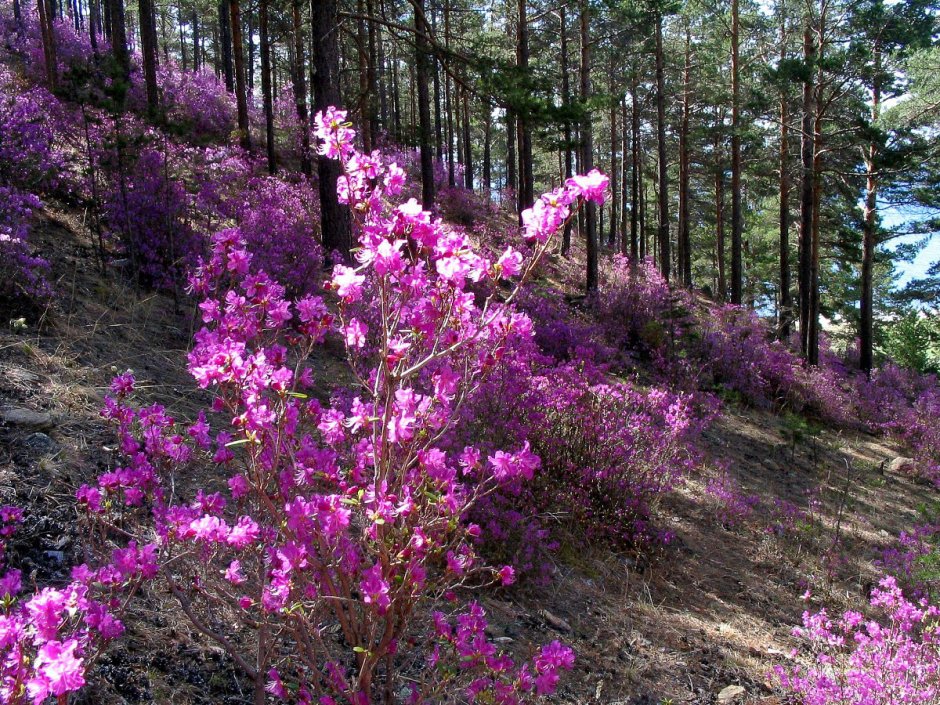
(241, 97)
(566, 103)
(806, 194)
(866, 304)
(664, 250)
(684, 239)
(587, 152)
(148, 51)
(737, 217)
(526, 173)
(225, 40)
(422, 77)
(335, 224)
(266, 91)
(300, 91)
(785, 314)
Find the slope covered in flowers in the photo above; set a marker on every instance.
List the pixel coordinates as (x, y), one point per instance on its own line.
(424, 471)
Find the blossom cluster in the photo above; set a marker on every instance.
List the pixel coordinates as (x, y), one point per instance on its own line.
(891, 661)
(49, 638)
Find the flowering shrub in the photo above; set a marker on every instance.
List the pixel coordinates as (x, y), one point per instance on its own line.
(21, 272)
(27, 162)
(280, 222)
(636, 306)
(734, 506)
(349, 512)
(49, 639)
(148, 214)
(608, 452)
(913, 560)
(895, 661)
(195, 103)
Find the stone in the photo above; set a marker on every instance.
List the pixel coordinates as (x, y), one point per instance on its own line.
(731, 694)
(555, 621)
(40, 442)
(25, 418)
(902, 465)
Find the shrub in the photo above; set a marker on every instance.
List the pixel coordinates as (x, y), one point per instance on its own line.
(894, 661)
(349, 512)
(280, 222)
(50, 638)
(148, 213)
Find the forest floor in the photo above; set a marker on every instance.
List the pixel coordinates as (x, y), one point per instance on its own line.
(713, 609)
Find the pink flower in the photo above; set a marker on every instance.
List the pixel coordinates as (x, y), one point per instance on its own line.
(347, 283)
(375, 589)
(591, 186)
(510, 263)
(355, 333)
(58, 670)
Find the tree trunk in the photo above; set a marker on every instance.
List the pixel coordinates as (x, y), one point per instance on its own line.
(467, 145)
(423, 71)
(625, 184)
(362, 55)
(300, 91)
(241, 97)
(806, 195)
(526, 176)
(93, 22)
(664, 253)
(566, 104)
(635, 175)
(722, 287)
(266, 92)
(48, 42)
(148, 51)
(737, 218)
(334, 217)
(684, 234)
(614, 174)
(487, 150)
(197, 59)
(866, 304)
(438, 119)
(587, 151)
(511, 183)
(225, 39)
(119, 37)
(785, 315)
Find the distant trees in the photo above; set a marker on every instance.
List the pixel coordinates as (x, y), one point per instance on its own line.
(748, 144)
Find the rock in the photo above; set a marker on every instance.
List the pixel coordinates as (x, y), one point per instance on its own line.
(40, 442)
(772, 465)
(25, 418)
(901, 465)
(56, 556)
(556, 622)
(731, 693)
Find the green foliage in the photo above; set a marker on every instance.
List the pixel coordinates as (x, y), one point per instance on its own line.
(913, 341)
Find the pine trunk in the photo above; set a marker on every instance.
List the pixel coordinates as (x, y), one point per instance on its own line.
(806, 196)
(664, 253)
(241, 97)
(587, 151)
(737, 217)
(267, 96)
(422, 77)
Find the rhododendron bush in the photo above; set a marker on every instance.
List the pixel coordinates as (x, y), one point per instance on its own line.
(27, 162)
(49, 638)
(894, 660)
(351, 512)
